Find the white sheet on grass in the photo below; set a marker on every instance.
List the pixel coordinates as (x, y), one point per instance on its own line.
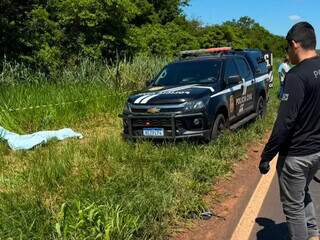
(29, 141)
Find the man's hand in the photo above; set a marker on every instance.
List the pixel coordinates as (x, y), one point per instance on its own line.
(264, 167)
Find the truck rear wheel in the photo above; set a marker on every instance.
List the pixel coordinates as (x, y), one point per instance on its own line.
(261, 107)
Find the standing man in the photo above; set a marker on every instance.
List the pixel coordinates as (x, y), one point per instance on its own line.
(282, 71)
(296, 134)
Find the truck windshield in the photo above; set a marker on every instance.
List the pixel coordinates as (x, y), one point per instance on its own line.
(193, 72)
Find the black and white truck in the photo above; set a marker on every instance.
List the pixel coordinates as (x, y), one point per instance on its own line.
(199, 95)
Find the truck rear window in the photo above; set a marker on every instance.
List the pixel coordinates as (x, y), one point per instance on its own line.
(193, 72)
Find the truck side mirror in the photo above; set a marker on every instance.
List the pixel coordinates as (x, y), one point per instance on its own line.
(234, 80)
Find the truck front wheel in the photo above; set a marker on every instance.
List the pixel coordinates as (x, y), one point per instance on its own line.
(218, 127)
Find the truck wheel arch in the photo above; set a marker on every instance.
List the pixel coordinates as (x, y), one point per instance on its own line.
(263, 94)
(224, 111)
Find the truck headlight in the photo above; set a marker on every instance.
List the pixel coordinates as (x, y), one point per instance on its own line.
(197, 104)
(127, 108)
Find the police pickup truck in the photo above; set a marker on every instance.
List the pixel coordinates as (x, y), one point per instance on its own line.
(199, 95)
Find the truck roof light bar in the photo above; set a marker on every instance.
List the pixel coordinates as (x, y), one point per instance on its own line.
(205, 51)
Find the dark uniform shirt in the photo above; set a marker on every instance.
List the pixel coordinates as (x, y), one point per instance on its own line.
(297, 129)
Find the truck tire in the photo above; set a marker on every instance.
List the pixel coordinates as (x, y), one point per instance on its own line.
(218, 126)
(261, 107)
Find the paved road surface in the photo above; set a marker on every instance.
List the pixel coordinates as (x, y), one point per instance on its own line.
(270, 223)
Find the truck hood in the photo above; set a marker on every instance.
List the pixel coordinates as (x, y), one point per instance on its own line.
(170, 95)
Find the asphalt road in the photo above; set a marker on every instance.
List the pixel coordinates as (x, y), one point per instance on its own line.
(270, 223)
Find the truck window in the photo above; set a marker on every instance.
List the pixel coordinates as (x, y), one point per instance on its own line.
(258, 63)
(193, 72)
(230, 70)
(244, 69)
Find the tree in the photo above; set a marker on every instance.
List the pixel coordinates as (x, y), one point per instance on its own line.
(214, 36)
(246, 23)
(168, 10)
(166, 40)
(13, 15)
(49, 33)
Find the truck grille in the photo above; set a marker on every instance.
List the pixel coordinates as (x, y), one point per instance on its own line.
(163, 110)
(162, 122)
(169, 124)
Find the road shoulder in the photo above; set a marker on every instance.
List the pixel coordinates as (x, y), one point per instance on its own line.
(228, 199)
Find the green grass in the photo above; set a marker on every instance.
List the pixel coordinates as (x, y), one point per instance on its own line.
(102, 187)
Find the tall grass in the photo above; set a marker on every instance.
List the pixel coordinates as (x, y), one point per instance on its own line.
(103, 187)
(125, 74)
(55, 105)
(75, 93)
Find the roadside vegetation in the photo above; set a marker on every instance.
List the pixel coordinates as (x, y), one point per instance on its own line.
(66, 63)
(47, 35)
(102, 187)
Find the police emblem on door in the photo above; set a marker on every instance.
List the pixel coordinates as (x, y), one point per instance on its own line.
(231, 104)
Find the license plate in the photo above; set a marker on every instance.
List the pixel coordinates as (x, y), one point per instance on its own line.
(153, 132)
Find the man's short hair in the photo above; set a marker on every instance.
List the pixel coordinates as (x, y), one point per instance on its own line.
(303, 32)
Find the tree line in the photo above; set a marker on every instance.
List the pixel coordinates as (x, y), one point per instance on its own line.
(47, 34)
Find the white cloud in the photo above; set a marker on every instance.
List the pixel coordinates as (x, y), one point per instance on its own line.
(295, 18)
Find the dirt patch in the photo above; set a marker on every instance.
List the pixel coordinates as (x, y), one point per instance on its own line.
(228, 199)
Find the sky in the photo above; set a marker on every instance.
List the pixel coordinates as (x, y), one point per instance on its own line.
(277, 16)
